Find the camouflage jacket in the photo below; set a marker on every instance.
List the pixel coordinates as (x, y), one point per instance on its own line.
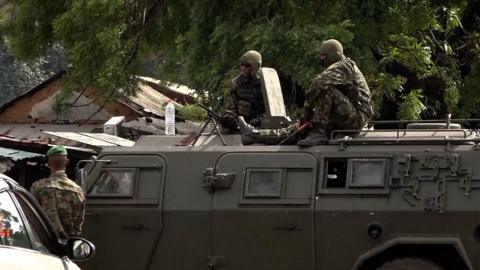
(246, 97)
(63, 201)
(346, 77)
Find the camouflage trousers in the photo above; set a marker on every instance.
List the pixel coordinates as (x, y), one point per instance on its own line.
(275, 136)
(333, 110)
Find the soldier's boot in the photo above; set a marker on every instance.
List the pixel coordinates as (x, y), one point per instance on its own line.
(315, 137)
(249, 133)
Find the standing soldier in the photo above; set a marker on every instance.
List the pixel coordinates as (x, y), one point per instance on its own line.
(61, 198)
(245, 97)
(339, 98)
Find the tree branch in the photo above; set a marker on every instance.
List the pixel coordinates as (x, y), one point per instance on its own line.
(107, 99)
(78, 97)
(86, 104)
(146, 16)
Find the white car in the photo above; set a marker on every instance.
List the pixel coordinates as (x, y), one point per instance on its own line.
(27, 238)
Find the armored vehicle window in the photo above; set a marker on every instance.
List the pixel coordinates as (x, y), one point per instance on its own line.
(117, 183)
(355, 176)
(277, 186)
(336, 173)
(367, 173)
(264, 183)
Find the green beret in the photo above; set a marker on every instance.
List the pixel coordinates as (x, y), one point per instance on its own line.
(57, 150)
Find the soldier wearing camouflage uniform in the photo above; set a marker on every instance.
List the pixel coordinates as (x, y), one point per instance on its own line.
(339, 98)
(245, 95)
(61, 198)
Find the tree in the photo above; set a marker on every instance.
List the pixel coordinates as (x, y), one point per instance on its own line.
(420, 57)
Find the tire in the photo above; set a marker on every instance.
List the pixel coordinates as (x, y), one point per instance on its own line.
(410, 263)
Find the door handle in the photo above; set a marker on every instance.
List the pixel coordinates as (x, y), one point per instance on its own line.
(286, 227)
(137, 228)
(92, 213)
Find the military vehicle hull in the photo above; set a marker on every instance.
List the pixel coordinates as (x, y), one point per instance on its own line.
(338, 206)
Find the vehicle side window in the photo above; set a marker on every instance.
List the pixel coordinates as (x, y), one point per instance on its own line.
(126, 179)
(264, 183)
(113, 183)
(12, 229)
(336, 173)
(367, 173)
(356, 176)
(42, 239)
(277, 186)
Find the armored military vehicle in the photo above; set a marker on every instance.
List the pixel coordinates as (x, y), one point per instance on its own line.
(382, 199)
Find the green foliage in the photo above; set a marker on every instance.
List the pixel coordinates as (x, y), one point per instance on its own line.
(390, 86)
(469, 103)
(412, 107)
(420, 57)
(192, 113)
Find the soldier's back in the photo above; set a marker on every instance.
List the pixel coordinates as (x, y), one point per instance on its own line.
(63, 200)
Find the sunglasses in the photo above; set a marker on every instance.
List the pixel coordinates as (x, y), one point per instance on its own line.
(245, 64)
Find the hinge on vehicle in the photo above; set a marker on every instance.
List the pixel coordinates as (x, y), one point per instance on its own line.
(454, 164)
(211, 179)
(438, 202)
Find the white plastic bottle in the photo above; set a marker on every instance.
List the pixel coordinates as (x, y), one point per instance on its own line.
(170, 118)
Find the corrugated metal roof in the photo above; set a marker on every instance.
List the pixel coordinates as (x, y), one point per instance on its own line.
(150, 100)
(157, 126)
(35, 131)
(38, 146)
(182, 89)
(16, 155)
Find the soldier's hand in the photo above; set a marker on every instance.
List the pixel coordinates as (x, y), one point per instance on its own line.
(302, 125)
(255, 122)
(228, 121)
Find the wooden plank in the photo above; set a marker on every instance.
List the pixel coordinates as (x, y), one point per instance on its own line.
(272, 92)
(73, 136)
(109, 138)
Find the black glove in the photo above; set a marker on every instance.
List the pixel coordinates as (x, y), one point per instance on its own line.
(228, 122)
(255, 122)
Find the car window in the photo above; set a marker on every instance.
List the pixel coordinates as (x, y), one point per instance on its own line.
(42, 238)
(12, 229)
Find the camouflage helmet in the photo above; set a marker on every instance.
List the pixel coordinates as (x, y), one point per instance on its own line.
(254, 58)
(333, 51)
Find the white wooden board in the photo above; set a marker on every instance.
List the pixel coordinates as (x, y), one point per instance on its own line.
(272, 92)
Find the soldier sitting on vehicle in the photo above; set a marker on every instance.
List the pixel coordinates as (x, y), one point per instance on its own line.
(339, 98)
(245, 97)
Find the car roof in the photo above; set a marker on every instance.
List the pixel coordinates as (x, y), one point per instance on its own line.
(7, 182)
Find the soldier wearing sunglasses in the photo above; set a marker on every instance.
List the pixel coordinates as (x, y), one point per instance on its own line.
(245, 95)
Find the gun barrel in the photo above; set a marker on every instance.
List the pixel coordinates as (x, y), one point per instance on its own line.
(210, 112)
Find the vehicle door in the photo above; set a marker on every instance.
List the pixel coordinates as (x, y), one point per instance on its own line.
(123, 213)
(21, 246)
(262, 210)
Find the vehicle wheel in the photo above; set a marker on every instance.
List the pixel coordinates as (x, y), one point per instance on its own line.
(410, 263)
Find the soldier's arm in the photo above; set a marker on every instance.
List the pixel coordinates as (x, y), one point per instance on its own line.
(232, 99)
(79, 217)
(310, 100)
(34, 191)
